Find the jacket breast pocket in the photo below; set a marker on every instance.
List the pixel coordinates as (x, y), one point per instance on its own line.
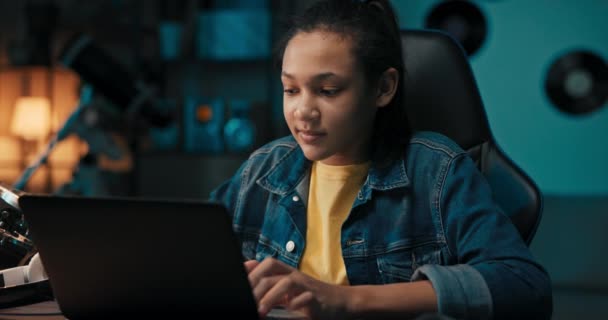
(398, 265)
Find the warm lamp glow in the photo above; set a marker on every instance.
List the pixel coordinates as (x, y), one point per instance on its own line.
(11, 150)
(32, 118)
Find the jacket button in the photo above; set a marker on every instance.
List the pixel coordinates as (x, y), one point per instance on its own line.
(295, 198)
(290, 246)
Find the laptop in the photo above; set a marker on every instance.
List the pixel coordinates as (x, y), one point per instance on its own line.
(128, 257)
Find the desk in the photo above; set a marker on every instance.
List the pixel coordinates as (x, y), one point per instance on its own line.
(47, 310)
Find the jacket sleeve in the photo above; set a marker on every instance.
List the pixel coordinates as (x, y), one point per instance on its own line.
(494, 275)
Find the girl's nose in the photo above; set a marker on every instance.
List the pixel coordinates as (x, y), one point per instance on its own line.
(307, 111)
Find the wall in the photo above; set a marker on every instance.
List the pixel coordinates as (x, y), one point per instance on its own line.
(565, 155)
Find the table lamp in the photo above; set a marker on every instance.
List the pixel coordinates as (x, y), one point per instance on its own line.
(32, 118)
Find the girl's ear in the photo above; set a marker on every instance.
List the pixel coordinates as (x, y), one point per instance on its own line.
(387, 87)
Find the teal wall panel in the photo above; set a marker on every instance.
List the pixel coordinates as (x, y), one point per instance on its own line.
(564, 154)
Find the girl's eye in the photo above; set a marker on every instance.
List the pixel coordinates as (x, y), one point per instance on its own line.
(329, 92)
(290, 91)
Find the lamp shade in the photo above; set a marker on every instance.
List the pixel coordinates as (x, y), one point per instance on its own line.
(32, 117)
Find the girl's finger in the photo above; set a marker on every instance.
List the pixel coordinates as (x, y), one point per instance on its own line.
(264, 285)
(301, 301)
(268, 267)
(286, 286)
(250, 265)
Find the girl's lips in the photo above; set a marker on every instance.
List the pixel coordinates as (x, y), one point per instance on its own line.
(310, 136)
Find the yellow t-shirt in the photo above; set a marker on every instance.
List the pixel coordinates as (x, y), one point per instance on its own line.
(331, 196)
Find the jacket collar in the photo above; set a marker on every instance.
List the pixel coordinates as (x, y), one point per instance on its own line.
(293, 168)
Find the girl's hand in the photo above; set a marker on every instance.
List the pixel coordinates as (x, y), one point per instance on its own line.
(275, 283)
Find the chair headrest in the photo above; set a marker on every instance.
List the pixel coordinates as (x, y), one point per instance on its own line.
(441, 94)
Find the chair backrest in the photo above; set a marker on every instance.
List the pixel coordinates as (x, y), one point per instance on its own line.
(441, 95)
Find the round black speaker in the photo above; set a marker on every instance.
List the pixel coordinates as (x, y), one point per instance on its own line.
(577, 82)
(463, 20)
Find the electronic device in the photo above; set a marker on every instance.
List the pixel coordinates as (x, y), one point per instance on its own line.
(134, 97)
(122, 257)
(24, 281)
(24, 285)
(15, 246)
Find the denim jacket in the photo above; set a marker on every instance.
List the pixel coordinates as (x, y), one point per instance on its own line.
(429, 215)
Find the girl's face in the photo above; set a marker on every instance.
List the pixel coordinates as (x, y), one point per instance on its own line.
(327, 103)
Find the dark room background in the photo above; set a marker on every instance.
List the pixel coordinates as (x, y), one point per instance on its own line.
(203, 72)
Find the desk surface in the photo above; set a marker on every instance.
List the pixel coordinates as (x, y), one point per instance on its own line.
(47, 310)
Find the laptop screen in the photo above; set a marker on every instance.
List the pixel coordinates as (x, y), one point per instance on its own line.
(120, 256)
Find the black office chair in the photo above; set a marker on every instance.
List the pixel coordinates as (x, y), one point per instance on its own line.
(441, 95)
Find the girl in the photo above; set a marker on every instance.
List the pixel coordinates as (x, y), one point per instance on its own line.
(354, 216)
